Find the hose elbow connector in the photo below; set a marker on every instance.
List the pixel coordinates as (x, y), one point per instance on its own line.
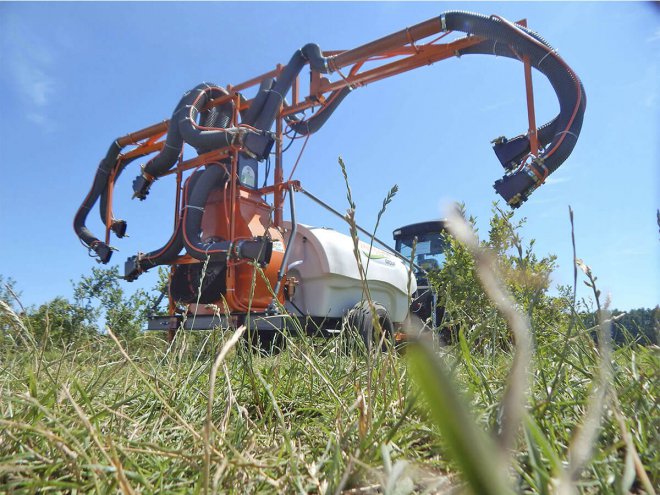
(141, 186)
(314, 56)
(103, 251)
(132, 269)
(517, 187)
(258, 249)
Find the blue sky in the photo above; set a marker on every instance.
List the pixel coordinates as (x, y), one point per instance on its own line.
(74, 76)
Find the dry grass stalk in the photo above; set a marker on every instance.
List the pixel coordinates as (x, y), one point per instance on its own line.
(518, 383)
(580, 451)
(233, 340)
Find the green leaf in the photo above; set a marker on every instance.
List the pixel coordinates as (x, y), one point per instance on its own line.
(471, 448)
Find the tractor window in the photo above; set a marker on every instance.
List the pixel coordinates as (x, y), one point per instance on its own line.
(429, 252)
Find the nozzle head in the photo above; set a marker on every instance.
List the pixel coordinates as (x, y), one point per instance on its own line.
(510, 152)
(132, 269)
(515, 188)
(119, 228)
(103, 252)
(141, 186)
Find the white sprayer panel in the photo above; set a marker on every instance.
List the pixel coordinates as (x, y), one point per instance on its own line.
(323, 261)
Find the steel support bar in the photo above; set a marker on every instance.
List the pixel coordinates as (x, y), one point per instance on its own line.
(394, 40)
(259, 322)
(278, 199)
(147, 132)
(393, 251)
(426, 55)
(529, 91)
(143, 150)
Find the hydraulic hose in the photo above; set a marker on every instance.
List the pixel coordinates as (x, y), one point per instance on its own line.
(563, 86)
(213, 177)
(316, 121)
(103, 202)
(258, 102)
(309, 53)
(164, 160)
(559, 135)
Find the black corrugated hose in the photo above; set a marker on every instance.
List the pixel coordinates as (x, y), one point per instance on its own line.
(557, 137)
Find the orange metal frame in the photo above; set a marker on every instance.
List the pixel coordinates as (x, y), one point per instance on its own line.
(386, 57)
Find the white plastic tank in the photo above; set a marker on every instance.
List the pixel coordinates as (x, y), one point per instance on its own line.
(323, 262)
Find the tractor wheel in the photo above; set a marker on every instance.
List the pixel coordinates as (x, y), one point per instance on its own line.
(267, 342)
(360, 318)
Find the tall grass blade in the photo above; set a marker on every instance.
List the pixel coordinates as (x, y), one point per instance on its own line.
(477, 456)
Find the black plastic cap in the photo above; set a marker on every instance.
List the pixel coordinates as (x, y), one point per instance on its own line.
(119, 228)
(511, 153)
(103, 252)
(259, 249)
(141, 187)
(515, 188)
(131, 269)
(259, 145)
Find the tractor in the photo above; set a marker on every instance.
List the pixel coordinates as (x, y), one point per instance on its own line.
(425, 243)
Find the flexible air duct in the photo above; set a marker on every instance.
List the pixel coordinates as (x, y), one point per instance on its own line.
(182, 128)
(559, 135)
(140, 263)
(215, 176)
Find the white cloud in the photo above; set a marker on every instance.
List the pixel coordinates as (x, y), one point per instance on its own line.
(28, 62)
(33, 82)
(551, 181)
(654, 37)
(36, 118)
(633, 251)
(497, 105)
(548, 200)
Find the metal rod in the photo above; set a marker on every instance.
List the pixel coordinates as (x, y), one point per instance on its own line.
(371, 236)
(287, 251)
(136, 137)
(278, 175)
(394, 40)
(108, 204)
(531, 113)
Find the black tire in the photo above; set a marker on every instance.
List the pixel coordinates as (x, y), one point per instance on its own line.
(360, 318)
(267, 342)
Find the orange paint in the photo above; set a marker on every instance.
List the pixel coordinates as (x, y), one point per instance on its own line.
(251, 219)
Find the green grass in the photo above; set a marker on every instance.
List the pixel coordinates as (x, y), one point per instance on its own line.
(520, 403)
(99, 417)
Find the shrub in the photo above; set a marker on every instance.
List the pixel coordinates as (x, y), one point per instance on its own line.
(525, 274)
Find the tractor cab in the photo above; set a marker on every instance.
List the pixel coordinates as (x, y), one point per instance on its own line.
(429, 247)
(430, 244)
